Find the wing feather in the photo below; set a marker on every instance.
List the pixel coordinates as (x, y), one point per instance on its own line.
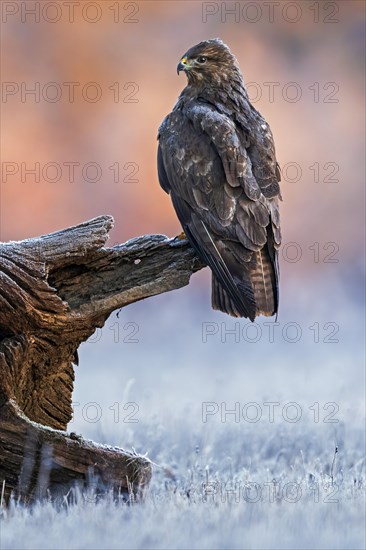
(206, 164)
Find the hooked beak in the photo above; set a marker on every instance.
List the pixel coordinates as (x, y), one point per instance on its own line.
(182, 65)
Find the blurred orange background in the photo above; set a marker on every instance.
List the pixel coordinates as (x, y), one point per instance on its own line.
(313, 56)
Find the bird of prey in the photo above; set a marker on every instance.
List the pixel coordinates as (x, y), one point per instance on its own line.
(216, 159)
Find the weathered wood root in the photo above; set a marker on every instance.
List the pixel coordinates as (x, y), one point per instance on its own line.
(40, 462)
(55, 291)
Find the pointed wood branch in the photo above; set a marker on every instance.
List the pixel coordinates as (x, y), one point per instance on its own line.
(55, 291)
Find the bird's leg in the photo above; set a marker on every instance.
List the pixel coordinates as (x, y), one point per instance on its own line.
(181, 237)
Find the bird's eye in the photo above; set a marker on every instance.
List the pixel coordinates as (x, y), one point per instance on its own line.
(202, 59)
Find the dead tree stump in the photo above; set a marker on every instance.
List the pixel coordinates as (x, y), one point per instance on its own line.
(55, 291)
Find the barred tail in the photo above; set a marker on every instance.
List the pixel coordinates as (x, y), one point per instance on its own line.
(258, 287)
(264, 284)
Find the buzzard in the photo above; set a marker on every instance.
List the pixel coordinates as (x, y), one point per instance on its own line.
(216, 159)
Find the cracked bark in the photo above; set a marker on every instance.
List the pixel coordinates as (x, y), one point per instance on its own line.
(55, 291)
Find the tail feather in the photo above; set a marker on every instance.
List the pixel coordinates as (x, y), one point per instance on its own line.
(264, 284)
(221, 300)
(259, 277)
(244, 282)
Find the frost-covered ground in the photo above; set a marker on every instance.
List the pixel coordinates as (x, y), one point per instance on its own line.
(238, 489)
(223, 487)
(241, 426)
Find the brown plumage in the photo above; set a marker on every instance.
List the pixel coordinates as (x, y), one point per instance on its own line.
(216, 159)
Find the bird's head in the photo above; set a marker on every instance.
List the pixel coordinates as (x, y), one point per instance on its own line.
(208, 62)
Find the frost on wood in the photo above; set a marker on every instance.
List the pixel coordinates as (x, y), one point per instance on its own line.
(55, 291)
